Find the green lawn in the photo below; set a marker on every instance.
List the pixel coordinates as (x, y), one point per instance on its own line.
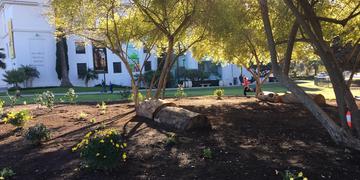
(308, 86)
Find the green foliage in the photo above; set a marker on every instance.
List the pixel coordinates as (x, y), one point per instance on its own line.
(207, 153)
(15, 77)
(30, 72)
(88, 75)
(196, 75)
(17, 119)
(219, 93)
(102, 107)
(104, 149)
(6, 173)
(141, 97)
(180, 93)
(37, 134)
(291, 175)
(71, 95)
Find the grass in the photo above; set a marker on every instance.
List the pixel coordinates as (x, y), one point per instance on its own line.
(307, 85)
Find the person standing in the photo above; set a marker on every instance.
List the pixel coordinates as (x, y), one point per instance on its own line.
(103, 85)
(246, 84)
(111, 87)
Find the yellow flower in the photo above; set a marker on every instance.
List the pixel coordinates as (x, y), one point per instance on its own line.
(305, 178)
(2, 178)
(111, 141)
(291, 178)
(124, 144)
(117, 145)
(124, 156)
(104, 157)
(102, 141)
(74, 149)
(88, 134)
(300, 174)
(97, 154)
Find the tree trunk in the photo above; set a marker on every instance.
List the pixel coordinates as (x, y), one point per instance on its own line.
(65, 81)
(168, 114)
(166, 68)
(338, 134)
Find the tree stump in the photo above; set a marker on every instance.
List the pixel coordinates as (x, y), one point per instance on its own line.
(268, 96)
(291, 99)
(168, 114)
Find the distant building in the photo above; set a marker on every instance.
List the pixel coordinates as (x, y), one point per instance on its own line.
(28, 39)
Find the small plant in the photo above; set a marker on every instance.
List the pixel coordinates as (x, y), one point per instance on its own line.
(103, 149)
(207, 153)
(219, 93)
(83, 116)
(93, 120)
(102, 108)
(12, 100)
(71, 95)
(180, 93)
(48, 99)
(38, 100)
(2, 103)
(170, 140)
(17, 119)
(37, 134)
(6, 173)
(291, 175)
(141, 97)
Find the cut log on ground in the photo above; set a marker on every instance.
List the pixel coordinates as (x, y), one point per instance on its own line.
(170, 115)
(268, 96)
(292, 99)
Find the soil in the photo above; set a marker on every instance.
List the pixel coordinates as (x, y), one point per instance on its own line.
(248, 140)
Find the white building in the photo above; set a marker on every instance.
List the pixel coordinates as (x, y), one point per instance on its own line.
(28, 39)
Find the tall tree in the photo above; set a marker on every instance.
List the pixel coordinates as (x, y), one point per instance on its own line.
(62, 61)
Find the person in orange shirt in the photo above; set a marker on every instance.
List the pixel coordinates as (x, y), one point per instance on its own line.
(246, 84)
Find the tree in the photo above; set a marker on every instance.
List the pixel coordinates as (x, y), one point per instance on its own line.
(15, 77)
(88, 75)
(62, 60)
(311, 24)
(30, 74)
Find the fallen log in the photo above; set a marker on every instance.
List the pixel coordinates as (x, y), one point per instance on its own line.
(170, 115)
(292, 99)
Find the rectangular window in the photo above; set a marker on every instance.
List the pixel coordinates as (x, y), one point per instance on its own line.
(100, 59)
(80, 47)
(117, 67)
(81, 69)
(147, 66)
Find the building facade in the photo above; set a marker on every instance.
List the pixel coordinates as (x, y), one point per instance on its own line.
(28, 39)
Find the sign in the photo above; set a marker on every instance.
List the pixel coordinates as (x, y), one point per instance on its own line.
(100, 59)
(37, 52)
(11, 40)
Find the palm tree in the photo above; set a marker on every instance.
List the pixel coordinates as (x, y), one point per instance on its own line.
(30, 74)
(88, 75)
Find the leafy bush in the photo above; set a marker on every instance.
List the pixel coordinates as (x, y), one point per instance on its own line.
(291, 175)
(219, 93)
(141, 97)
(47, 99)
(180, 93)
(71, 95)
(6, 173)
(37, 134)
(207, 153)
(17, 119)
(15, 77)
(30, 74)
(103, 149)
(12, 100)
(2, 103)
(102, 108)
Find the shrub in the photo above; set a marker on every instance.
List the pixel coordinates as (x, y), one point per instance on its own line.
(30, 74)
(207, 153)
(71, 95)
(291, 175)
(6, 173)
(180, 93)
(141, 97)
(48, 99)
(37, 134)
(102, 108)
(2, 103)
(17, 119)
(103, 149)
(12, 100)
(88, 75)
(219, 93)
(83, 116)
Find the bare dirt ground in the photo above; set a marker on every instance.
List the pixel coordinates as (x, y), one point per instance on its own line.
(249, 140)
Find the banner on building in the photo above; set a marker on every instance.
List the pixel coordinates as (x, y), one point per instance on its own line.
(100, 59)
(11, 40)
